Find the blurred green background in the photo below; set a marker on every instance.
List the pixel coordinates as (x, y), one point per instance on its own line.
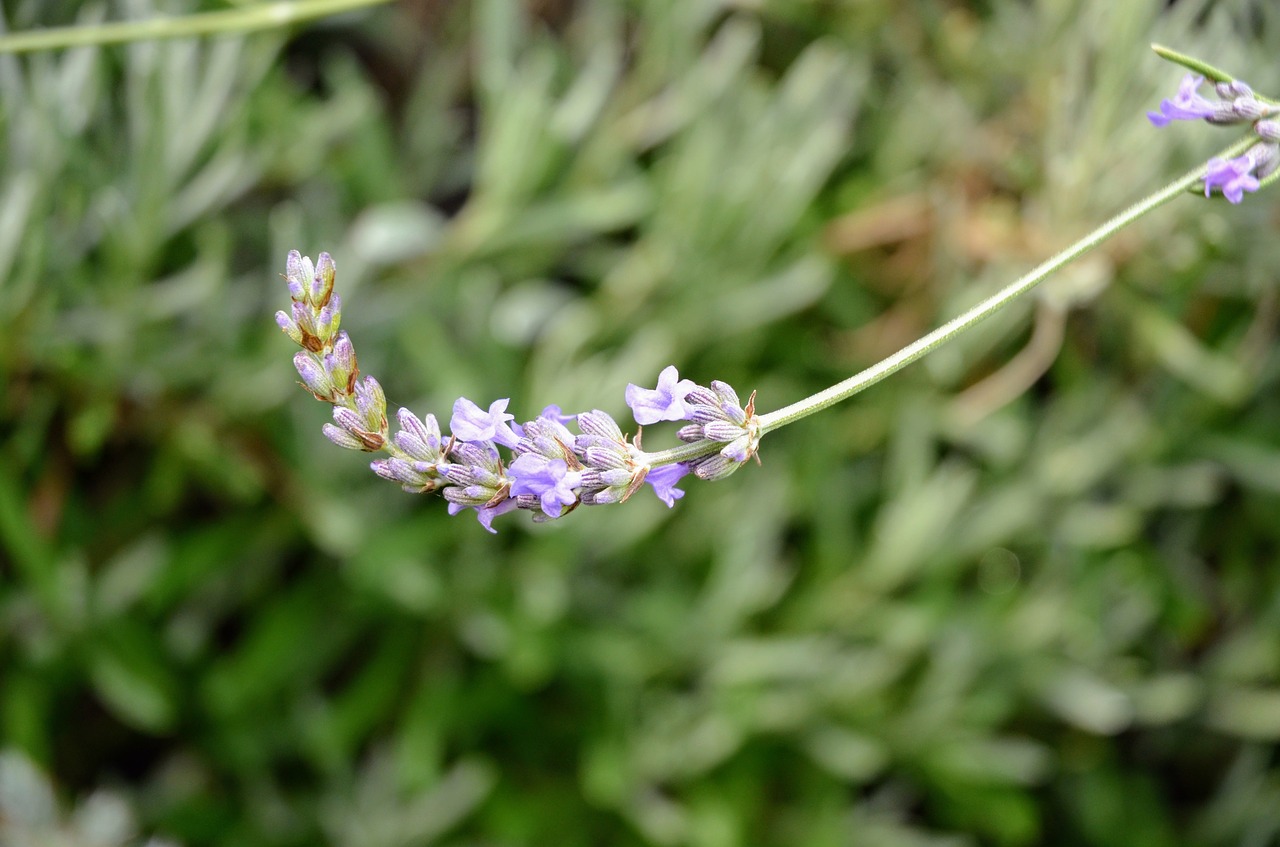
(1025, 592)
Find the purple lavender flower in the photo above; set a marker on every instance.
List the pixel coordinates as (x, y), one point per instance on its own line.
(546, 469)
(471, 423)
(1237, 104)
(664, 403)
(486, 514)
(664, 479)
(1233, 176)
(548, 479)
(1186, 105)
(555, 413)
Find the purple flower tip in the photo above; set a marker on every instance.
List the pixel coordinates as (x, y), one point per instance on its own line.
(297, 273)
(548, 479)
(470, 423)
(1233, 176)
(663, 403)
(664, 479)
(1186, 105)
(553, 412)
(486, 514)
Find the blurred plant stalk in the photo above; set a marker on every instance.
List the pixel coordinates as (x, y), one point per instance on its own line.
(264, 16)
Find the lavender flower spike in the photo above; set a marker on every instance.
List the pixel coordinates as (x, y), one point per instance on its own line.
(1233, 176)
(551, 470)
(471, 423)
(1186, 105)
(664, 403)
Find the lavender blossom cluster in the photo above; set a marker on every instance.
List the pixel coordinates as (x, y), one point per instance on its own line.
(1236, 104)
(550, 470)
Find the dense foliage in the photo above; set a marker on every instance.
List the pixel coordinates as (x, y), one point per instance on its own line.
(1025, 592)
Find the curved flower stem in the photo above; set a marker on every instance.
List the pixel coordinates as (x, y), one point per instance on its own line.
(994, 303)
(683, 453)
(263, 16)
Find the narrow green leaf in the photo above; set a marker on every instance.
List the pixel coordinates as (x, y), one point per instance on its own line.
(1192, 64)
(265, 16)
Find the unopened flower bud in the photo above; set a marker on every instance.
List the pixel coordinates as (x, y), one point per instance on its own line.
(714, 467)
(721, 431)
(341, 364)
(1266, 156)
(419, 439)
(690, 433)
(1232, 89)
(411, 478)
(314, 376)
(342, 437)
(1248, 108)
(322, 281)
(352, 422)
(371, 402)
(328, 319)
(298, 273)
(1268, 130)
(289, 327)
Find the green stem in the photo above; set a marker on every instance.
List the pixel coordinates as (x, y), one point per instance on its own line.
(989, 306)
(264, 16)
(683, 453)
